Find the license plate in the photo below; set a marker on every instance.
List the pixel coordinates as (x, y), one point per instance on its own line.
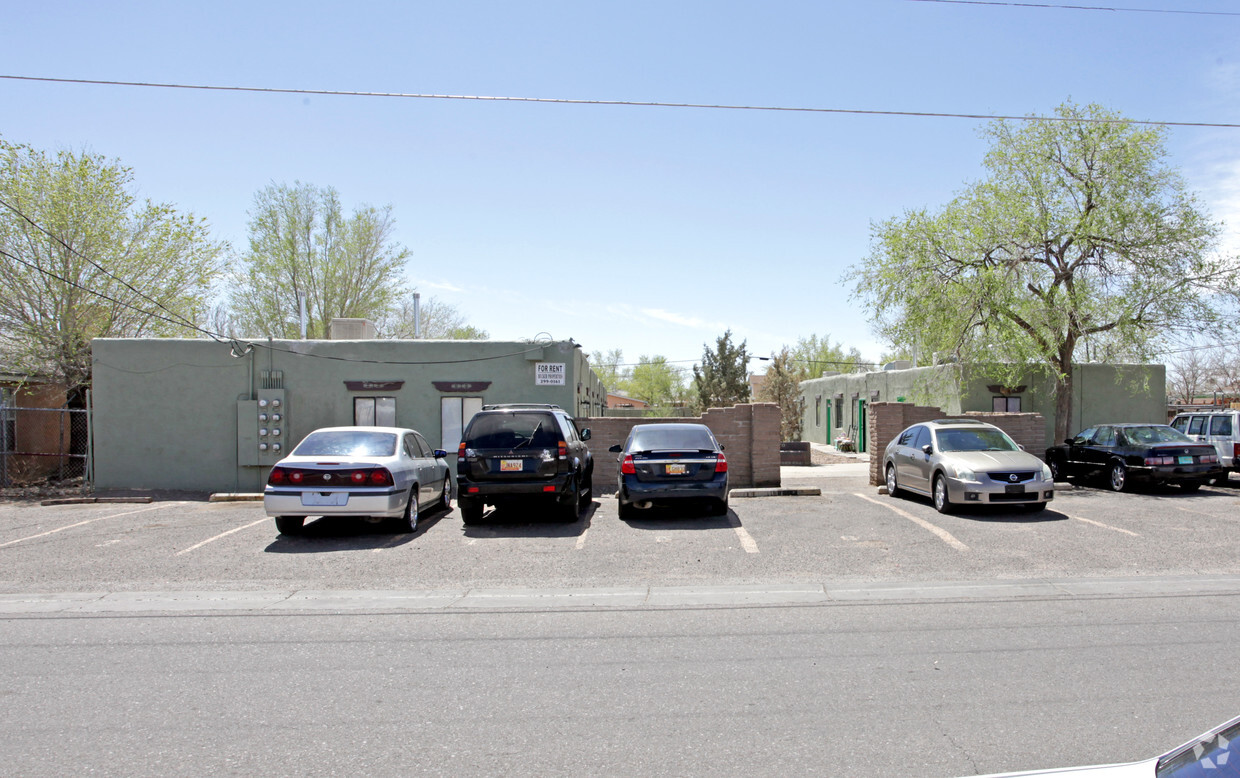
(511, 465)
(324, 498)
(675, 469)
(1014, 489)
(1186, 460)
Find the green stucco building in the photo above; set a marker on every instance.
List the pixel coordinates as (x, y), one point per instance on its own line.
(835, 406)
(202, 415)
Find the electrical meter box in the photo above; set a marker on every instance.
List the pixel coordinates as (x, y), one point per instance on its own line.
(262, 429)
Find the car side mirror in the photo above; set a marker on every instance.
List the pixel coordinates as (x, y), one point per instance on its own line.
(928, 449)
(1070, 441)
(585, 434)
(616, 449)
(439, 453)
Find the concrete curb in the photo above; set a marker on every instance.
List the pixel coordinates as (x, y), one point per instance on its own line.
(92, 500)
(236, 497)
(782, 491)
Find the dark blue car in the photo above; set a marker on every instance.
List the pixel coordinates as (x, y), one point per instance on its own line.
(671, 463)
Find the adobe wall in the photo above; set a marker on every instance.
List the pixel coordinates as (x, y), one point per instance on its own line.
(888, 419)
(748, 433)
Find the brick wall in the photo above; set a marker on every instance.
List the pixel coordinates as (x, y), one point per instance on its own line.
(888, 419)
(749, 435)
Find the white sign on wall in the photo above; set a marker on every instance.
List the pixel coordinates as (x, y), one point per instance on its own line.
(548, 373)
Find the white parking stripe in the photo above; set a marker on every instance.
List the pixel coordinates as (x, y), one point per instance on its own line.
(88, 521)
(1104, 526)
(747, 541)
(581, 539)
(221, 535)
(943, 534)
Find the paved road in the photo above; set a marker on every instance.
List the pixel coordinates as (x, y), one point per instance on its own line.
(845, 689)
(845, 634)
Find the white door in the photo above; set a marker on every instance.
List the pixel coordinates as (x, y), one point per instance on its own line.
(454, 414)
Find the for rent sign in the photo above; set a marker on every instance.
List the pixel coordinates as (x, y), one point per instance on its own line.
(548, 373)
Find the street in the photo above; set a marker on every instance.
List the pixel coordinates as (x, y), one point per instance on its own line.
(842, 634)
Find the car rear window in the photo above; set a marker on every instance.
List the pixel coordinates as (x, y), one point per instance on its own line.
(347, 443)
(513, 430)
(1155, 433)
(673, 438)
(1220, 425)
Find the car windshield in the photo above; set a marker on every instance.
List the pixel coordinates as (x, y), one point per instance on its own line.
(514, 430)
(980, 439)
(1155, 433)
(347, 443)
(666, 437)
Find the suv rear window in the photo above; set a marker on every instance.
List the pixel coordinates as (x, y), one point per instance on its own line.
(513, 430)
(1221, 424)
(676, 438)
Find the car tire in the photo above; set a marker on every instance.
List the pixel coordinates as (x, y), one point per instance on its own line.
(290, 525)
(942, 500)
(586, 493)
(1190, 486)
(627, 511)
(445, 495)
(1057, 469)
(471, 510)
(1117, 477)
(719, 507)
(893, 488)
(409, 521)
(569, 506)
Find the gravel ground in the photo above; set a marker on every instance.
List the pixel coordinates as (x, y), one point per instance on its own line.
(817, 457)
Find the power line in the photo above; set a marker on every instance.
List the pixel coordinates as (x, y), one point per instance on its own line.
(623, 103)
(1082, 7)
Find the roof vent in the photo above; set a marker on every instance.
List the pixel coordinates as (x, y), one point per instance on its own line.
(351, 329)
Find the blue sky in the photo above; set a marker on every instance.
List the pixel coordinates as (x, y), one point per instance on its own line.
(665, 226)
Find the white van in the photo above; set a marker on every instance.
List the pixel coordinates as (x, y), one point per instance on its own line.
(1222, 428)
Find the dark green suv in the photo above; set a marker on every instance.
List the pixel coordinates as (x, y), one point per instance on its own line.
(524, 454)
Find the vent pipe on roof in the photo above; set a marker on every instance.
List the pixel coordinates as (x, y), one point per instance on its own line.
(417, 316)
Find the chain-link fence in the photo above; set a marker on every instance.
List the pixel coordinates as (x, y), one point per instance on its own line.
(41, 445)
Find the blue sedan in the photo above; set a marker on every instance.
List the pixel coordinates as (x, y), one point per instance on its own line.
(671, 463)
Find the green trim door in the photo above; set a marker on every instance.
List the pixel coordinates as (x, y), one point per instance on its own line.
(862, 437)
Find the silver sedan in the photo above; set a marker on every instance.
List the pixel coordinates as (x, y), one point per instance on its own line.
(379, 472)
(965, 462)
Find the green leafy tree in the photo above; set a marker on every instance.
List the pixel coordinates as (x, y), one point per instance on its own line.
(1079, 232)
(609, 368)
(782, 386)
(656, 382)
(303, 246)
(439, 321)
(813, 357)
(722, 380)
(82, 257)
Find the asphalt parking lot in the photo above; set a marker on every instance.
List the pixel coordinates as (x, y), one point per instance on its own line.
(849, 532)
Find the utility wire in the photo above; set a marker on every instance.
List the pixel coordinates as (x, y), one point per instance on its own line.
(1082, 7)
(625, 103)
(183, 321)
